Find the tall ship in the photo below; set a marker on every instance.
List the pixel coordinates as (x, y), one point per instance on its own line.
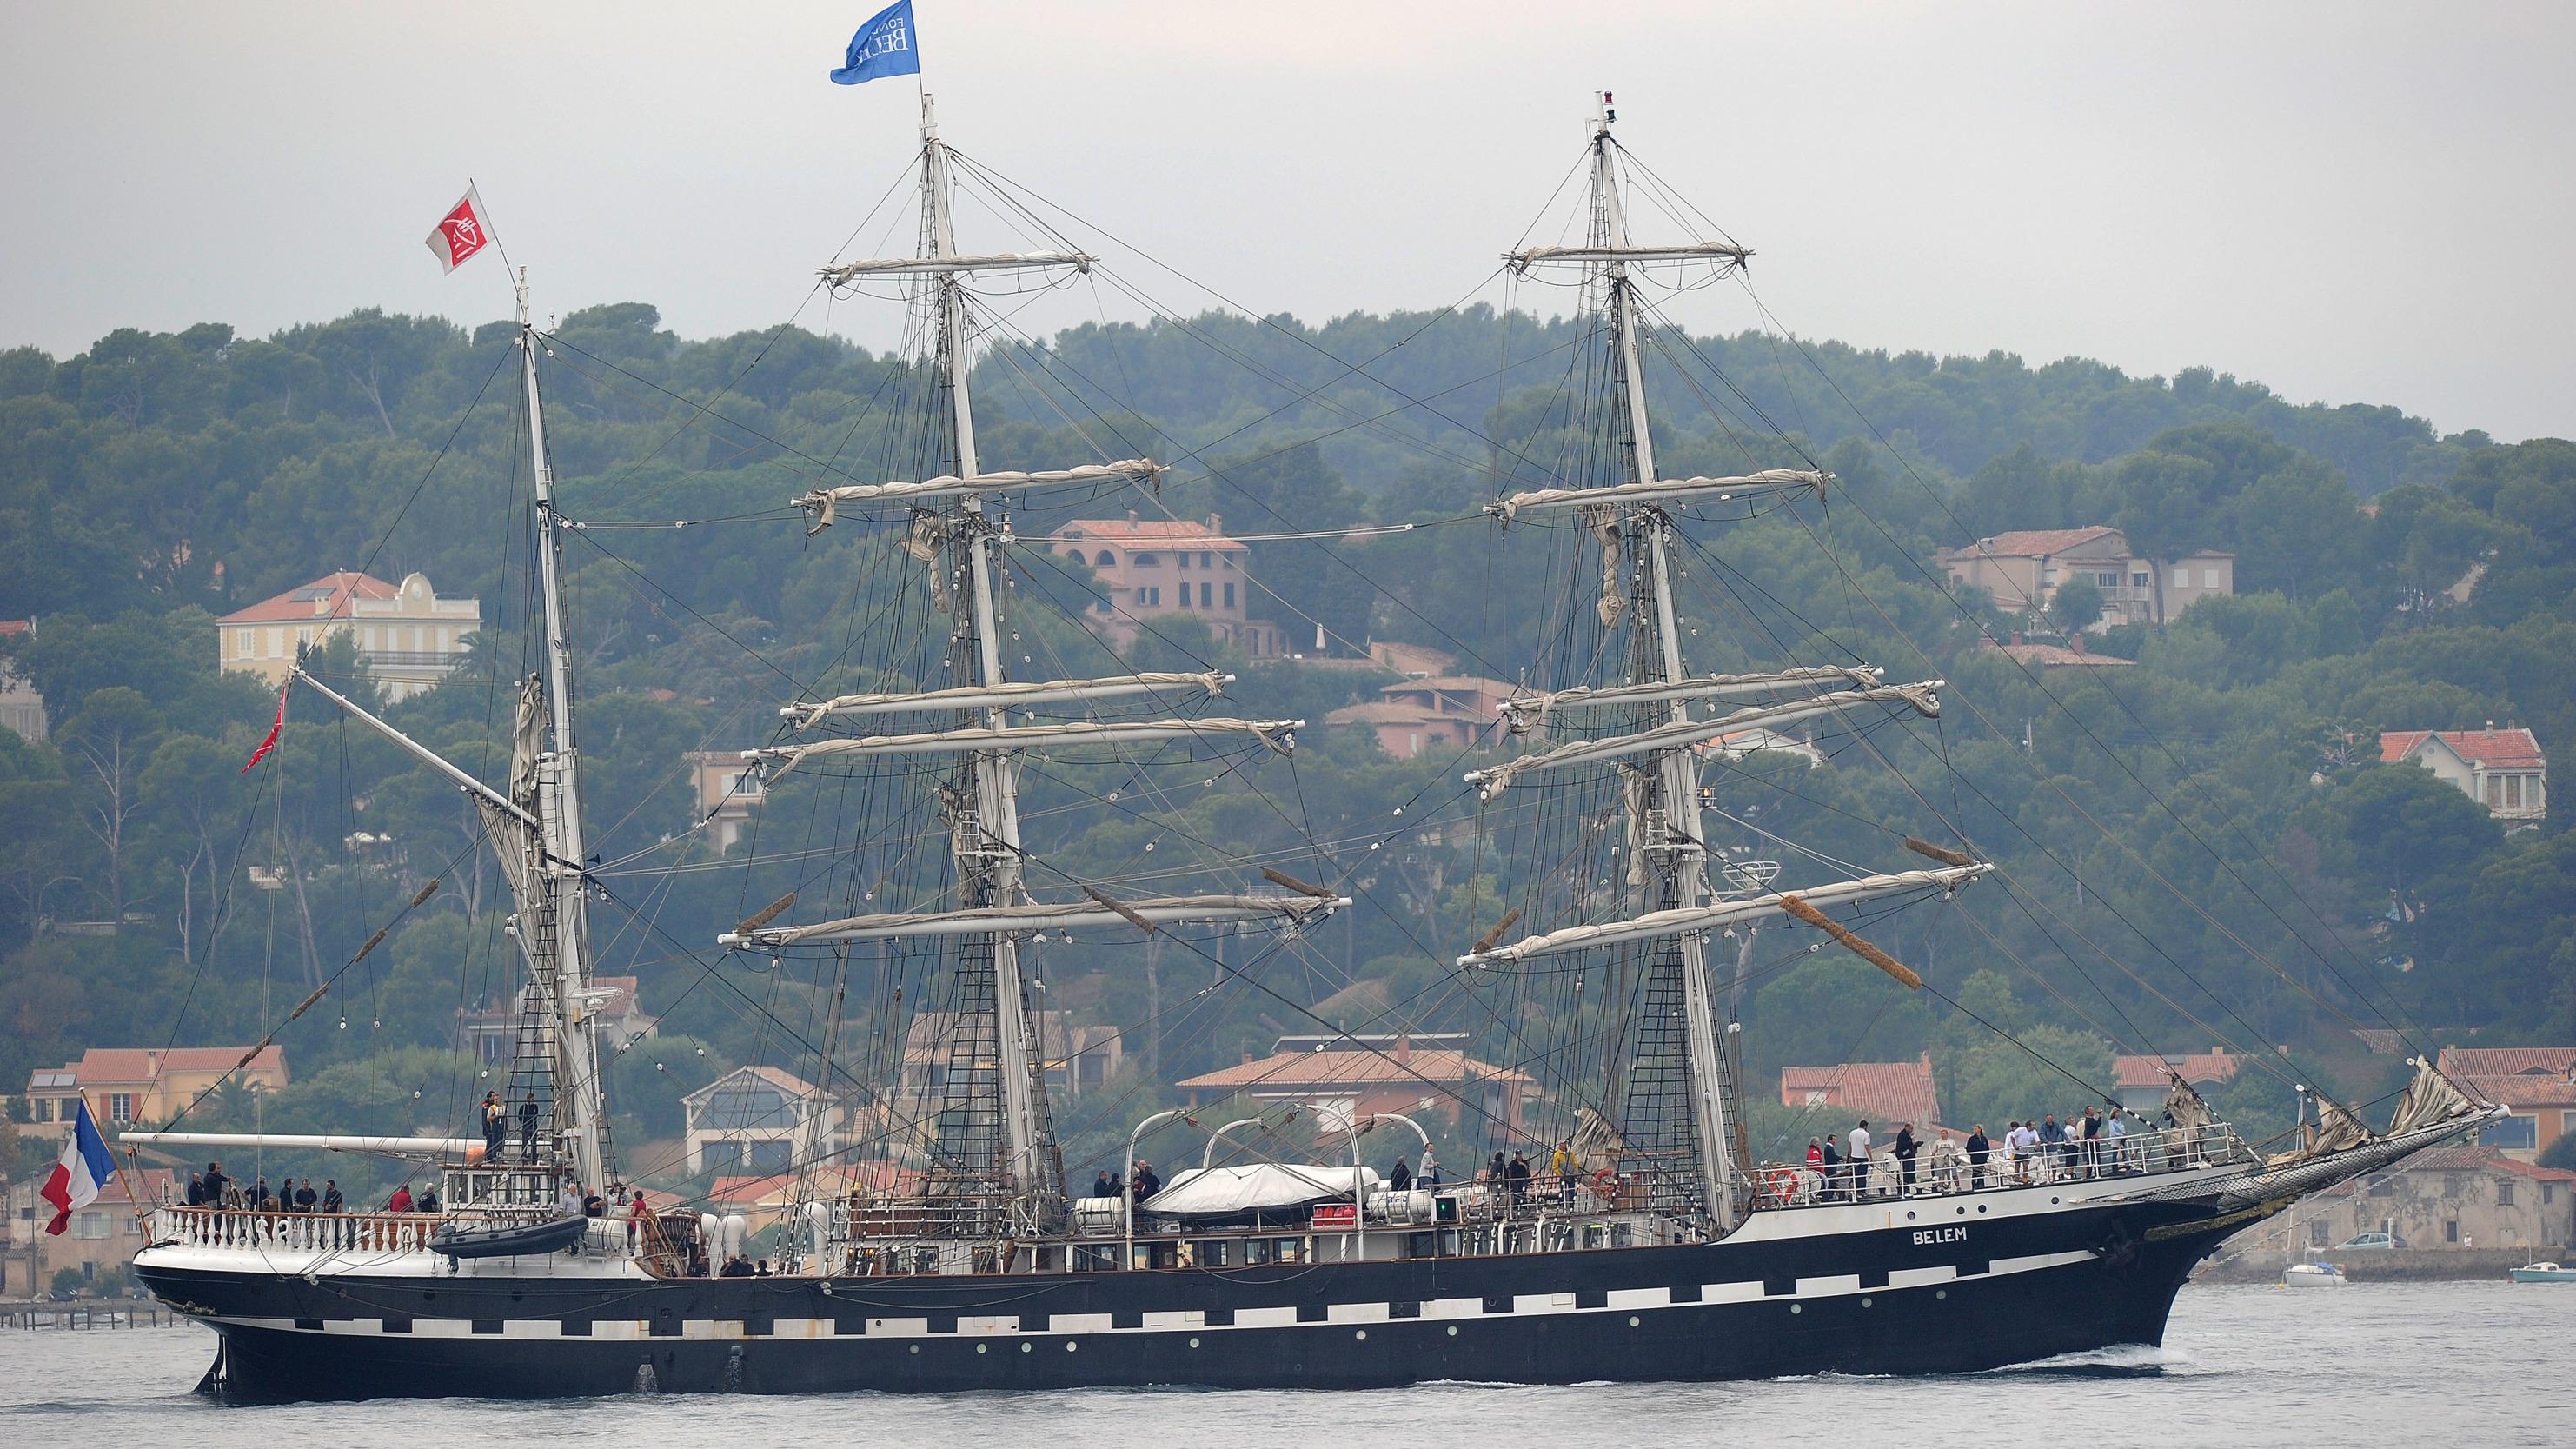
(1613, 948)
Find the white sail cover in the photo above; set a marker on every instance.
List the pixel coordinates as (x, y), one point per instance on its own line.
(825, 500)
(1211, 1192)
(2430, 1098)
(1010, 694)
(1662, 490)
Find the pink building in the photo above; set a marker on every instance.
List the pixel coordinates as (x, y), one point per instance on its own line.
(1152, 569)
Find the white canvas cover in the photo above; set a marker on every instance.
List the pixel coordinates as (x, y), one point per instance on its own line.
(1210, 1192)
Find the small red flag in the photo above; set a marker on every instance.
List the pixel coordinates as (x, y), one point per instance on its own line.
(270, 743)
(461, 233)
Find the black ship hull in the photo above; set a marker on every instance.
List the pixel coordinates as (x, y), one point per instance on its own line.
(1914, 1298)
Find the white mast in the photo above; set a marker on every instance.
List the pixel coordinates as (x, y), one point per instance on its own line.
(1029, 1171)
(557, 943)
(1667, 858)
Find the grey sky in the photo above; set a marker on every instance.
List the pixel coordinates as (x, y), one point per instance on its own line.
(2350, 202)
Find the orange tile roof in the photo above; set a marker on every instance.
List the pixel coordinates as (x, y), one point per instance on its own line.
(1453, 682)
(2036, 543)
(2058, 656)
(286, 608)
(1391, 712)
(1136, 533)
(1295, 1071)
(2505, 749)
(2515, 1076)
(1884, 1092)
(11, 628)
(2198, 1068)
(127, 1066)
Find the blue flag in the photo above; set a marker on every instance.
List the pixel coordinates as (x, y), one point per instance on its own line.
(882, 47)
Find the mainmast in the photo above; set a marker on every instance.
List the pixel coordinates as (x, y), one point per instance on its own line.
(557, 941)
(989, 869)
(955, 524)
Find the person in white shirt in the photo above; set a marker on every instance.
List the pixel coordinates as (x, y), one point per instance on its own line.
(1860, 1159)
(2115, 1133)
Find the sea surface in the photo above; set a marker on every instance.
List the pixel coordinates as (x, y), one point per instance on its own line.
(2242, 1367)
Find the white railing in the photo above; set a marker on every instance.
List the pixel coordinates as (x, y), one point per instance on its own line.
(1943, 1167)
(361, 1233)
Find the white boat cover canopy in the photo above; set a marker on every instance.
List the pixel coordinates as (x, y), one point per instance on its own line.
(1211, 1192)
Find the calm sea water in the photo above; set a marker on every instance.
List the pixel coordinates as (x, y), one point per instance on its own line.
(2244, 1367)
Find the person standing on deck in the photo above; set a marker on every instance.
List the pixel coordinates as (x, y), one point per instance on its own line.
(1833, 1170)
(1429, 1177)
(1906, 1147)
(1564, 1164)
(1400, 1177)
(496, 1126)
(1860, 1160)
(528, 1130)
(2116, 1134)
(1978, 1150)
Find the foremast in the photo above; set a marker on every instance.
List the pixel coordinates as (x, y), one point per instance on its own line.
(1673, 908)
(1667, 861)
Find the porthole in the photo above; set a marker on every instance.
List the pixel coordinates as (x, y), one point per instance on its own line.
(1361, 1335)
(1981, 1207)
(1028, 1348)
(981, 1347)
(1632, 1320)
(1865, 1303)
(1940, 1292)
(1909, 1216)
(1963, 1212)
(2052, 1202)
(1797, 1308)
(916, 1348)
(1453, 1330)
(1194, 1343)
(1069, 1345)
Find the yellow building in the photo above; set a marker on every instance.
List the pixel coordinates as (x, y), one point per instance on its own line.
(409, 636)
(128, 1085)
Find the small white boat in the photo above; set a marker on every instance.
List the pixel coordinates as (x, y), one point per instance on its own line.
(2543, 1273)
(2312, 1275)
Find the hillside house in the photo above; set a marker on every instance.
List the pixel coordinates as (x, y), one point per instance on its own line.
(409, 636)
(1888, 1094)
(1151, 570)
(2537, 1085)
(2501, 769)
(2021, 573)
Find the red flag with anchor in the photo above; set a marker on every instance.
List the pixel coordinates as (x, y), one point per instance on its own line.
(274, 730)
(461, 233)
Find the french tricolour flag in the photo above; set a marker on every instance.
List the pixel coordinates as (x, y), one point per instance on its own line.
(79, 1173)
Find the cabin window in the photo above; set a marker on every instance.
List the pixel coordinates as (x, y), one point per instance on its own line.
(1215, 1253)
(1287, 1250)
(1095, 1258)
(1256, 1251)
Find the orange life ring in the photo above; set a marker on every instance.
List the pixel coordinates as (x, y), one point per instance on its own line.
(1605, 1185)
(1783, 1183)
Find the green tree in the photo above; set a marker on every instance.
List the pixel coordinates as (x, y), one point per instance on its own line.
(2077, 605)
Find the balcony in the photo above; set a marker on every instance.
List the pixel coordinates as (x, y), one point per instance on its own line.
(410, 658)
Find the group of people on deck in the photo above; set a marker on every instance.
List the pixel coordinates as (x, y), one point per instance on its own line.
(211, 1188)
(2093, 1143)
